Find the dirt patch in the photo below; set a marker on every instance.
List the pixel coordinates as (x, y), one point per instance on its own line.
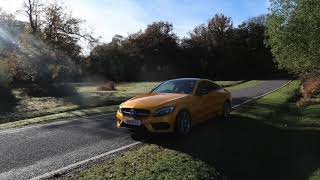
(107, 86)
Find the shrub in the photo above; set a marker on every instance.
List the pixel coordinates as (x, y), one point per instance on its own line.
(5, 83)
(50, 90)
(108, 86)
(5, 74)
(303, 102)
(5, 95)
(309, 88)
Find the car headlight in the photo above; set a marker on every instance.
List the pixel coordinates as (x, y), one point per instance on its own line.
(163, 111)
(120, 108)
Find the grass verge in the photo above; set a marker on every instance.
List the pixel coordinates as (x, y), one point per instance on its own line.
(298, 128)
(88, 97)
(230, 83)
(279, 109)
(152, 162)
(244, 84)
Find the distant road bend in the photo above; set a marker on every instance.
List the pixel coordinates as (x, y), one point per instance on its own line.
(32, 151)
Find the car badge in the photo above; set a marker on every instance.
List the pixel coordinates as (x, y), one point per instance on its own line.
(133, 113)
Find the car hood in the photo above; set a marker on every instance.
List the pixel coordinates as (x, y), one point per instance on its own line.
(152, 100)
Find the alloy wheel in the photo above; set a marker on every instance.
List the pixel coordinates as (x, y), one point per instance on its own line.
(184, 123)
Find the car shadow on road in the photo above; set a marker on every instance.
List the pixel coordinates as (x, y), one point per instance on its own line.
(244, 148)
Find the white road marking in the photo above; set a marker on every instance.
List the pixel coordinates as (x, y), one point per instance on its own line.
(71, 166)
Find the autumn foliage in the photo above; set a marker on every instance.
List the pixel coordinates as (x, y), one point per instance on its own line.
(309, 88)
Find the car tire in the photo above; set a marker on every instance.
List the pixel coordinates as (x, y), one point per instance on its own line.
(183, 123)
(226, 111)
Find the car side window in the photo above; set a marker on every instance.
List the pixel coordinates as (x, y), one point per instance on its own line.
(206, 87)
(214, 86)
(203, 88)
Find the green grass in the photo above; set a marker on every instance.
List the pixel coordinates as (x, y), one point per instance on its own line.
(300, 126)
(279, 109)
(245, 84)
(88, 97)
(311, 115)
(315, 175)
(230, 83)
(152, 162)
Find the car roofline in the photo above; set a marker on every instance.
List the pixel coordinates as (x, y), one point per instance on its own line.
(197, 79)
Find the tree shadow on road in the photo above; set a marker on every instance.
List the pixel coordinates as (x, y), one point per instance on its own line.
(245, 148)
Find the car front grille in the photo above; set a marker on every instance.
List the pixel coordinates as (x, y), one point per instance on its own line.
(135, 113)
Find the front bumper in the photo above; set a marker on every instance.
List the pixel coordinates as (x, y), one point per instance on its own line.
(152, 124)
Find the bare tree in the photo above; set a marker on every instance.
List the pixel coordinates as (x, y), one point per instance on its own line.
(63, 31)
(33, 10)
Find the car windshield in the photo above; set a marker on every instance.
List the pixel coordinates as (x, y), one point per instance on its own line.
(176, 86)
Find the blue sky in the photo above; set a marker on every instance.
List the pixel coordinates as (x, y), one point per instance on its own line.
(185, 14)
(109, 17)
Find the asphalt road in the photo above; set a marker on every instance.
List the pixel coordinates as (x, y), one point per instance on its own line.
(32, 151)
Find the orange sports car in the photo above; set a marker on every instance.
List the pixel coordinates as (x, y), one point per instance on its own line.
(175, 106)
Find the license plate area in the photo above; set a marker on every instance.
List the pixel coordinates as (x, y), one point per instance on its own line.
(133, 121)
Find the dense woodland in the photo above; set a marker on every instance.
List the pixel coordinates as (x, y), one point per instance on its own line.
(46, 50)
(215, 50)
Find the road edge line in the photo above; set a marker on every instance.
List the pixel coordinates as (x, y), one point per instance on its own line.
(71, 166)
